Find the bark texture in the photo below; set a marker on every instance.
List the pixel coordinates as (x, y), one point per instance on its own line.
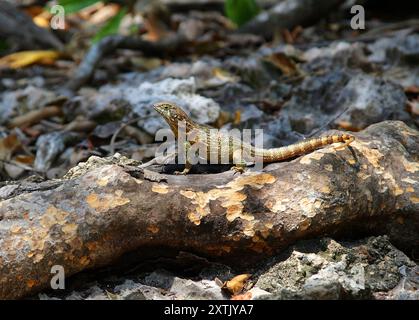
(102, 212)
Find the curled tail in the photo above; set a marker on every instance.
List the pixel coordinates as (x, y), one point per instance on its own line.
(305, 146)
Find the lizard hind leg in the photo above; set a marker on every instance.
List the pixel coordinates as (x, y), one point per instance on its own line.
(239, 163)
(347, 139)
(239, 167)
(184, 172)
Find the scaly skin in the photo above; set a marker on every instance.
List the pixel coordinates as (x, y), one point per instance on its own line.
(238, 151)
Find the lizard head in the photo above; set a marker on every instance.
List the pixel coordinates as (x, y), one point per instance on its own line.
(171, 112)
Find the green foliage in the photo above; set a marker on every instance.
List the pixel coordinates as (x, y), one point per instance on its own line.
(240, 11)
(111, 27)
(3, 45)
(71, 6)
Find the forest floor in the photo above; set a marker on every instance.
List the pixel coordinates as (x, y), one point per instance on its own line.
(76, 101)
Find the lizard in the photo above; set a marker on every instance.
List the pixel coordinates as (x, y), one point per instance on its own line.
(175, 116)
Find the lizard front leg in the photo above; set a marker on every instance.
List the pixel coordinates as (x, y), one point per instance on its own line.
(188, 165)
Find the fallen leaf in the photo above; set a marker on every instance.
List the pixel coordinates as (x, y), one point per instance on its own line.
(42, 19)
(236, 285)
(105, 13)
(412, 89)
(146, 63)
(224, 75)
(25, 159)
(25, 58)
(223, 118)
(283, 63)
(347, 126)
(8, 145)
(237, 117)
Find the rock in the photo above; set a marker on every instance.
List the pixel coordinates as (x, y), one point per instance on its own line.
(132, 290)
(140, 98)
(326, 269)
(185, 288)
(407, 289)
(367, 100)
(398, 58)
(372, 100)
(400, 49)
(328, 52)
(158, 285)
(50, 146)
(258, 293)
(13, 171)
(14, 103)
(313, 269)
(96, 162)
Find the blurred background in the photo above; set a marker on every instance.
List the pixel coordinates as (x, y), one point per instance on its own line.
(77, 78)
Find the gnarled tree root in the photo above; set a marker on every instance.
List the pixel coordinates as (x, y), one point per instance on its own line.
(95, 217)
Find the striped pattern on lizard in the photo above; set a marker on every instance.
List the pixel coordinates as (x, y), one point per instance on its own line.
(238, 151)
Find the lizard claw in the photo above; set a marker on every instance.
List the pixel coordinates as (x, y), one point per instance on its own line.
(237, 169)
(184, 172)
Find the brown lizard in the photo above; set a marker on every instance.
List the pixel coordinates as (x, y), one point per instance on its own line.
(237, 149)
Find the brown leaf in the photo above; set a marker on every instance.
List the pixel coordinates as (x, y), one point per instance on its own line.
(283, 63)
(104, 13)
(412, 89)
(8, 145)
(25, 159)
(347, 126)
(236, 285)
(224, 75)
(25, 58)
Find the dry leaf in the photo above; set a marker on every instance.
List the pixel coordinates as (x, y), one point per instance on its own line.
(24, 159)
(224, 75)
(283, 63)
(412, 89)
(237, 118)
(146, 63)
(223, 118)
(104, 14)
(346, 125)
(236, 285)
(26, 58)
(42, 19)
(156, 22)
(7, 146)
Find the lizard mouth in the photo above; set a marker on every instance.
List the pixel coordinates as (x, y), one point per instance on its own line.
(158, 108)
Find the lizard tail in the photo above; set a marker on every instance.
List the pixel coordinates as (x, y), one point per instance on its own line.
(305, 146)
